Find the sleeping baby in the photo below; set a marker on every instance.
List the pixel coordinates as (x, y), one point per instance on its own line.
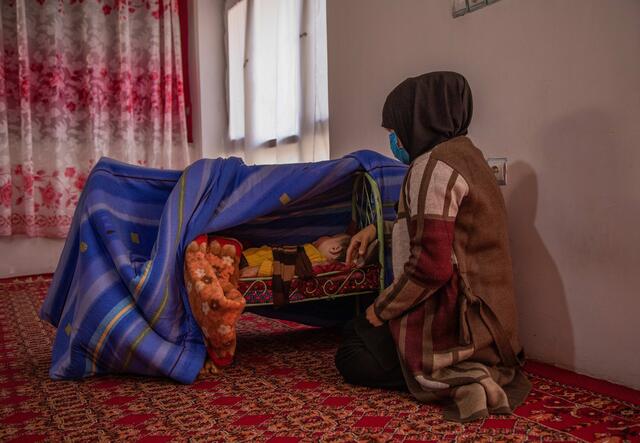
(258, 262)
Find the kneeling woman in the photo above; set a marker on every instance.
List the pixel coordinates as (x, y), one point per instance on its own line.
(446, 328)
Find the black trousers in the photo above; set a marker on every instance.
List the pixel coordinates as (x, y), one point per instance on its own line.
(367, 356)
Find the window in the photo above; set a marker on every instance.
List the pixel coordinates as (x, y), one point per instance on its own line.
(237, 21)
(277, 78)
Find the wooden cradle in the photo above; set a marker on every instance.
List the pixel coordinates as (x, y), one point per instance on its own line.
(346, 282)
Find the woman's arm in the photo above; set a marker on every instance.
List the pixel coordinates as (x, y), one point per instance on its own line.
(435, 194)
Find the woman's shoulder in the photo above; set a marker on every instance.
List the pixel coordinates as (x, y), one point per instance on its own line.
(455, 147)
(459, 153)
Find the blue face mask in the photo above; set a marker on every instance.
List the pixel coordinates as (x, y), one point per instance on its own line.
(398, 151)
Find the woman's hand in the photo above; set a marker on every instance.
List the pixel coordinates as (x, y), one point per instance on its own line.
(359, 243)
(372, 317)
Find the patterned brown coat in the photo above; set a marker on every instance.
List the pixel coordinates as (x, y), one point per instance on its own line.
(451, 308)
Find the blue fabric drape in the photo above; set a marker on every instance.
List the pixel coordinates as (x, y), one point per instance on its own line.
(118, 297)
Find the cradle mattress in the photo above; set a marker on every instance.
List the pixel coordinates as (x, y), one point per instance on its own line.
(324, 285)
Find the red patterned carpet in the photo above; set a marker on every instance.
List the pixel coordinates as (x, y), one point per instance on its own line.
(284, 388)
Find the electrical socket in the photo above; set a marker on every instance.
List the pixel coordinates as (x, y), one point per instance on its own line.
(499, 167)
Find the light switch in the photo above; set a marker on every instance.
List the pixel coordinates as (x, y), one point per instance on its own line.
(460, 7)
(476, 4)
(499, 167)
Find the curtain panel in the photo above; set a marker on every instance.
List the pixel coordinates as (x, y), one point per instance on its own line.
(80, 80)
(277, 81)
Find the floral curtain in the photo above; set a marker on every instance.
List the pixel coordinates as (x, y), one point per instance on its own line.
(81, 79)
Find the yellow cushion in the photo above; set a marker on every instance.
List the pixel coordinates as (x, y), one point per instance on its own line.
(263, 258)
(256, 256)
(314, 255)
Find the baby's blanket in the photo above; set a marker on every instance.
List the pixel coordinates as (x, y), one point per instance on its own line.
(211, 280)
(118, 296)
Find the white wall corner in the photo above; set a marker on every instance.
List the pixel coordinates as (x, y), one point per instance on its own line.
(29, 255)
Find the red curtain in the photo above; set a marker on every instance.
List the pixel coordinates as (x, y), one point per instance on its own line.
(183, 11)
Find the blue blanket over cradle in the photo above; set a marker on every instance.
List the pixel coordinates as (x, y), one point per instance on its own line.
(118, 297)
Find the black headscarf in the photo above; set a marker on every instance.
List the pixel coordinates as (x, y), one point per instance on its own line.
(427, 110)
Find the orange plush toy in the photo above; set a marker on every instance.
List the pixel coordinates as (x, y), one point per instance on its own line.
(211, 278)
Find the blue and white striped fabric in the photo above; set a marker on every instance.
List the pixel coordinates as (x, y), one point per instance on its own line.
(118, 297)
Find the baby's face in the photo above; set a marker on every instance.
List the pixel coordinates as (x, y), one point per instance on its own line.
(333, 248)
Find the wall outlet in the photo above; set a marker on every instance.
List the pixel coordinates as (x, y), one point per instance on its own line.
(499, 167)
(461, 7)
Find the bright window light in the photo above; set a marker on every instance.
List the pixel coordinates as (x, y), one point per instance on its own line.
(237, 21)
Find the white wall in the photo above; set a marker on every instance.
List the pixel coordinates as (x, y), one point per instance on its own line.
(21, 255)
(556, 90)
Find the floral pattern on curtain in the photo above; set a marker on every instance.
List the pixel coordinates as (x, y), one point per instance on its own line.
(81, 79)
